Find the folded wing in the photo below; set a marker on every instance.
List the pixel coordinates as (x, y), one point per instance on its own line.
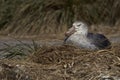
(98, 40)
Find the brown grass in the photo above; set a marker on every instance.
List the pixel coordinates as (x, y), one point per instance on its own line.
(64, 63)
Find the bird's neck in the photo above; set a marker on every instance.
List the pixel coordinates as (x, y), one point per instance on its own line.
(81, 32)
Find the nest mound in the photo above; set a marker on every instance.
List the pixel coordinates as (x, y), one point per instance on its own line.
(57, 54)
(64, 63)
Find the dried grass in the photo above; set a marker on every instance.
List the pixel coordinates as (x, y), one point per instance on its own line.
(65, 63)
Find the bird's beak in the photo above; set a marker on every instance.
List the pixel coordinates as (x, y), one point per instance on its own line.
(70, 31)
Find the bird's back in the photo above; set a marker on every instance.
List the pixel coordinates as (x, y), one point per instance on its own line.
(99, 40)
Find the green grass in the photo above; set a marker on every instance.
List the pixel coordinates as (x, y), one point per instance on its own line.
(20, 49)
(54, 16)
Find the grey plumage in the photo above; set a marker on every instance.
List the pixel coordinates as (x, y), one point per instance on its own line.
(83, 39)
(98, 40)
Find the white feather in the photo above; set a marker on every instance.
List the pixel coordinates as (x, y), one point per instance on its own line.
(79, 38)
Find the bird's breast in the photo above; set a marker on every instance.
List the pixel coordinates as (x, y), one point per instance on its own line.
(80, 41)
(77, 40)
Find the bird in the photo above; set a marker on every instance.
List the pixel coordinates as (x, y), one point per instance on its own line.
(79, 36)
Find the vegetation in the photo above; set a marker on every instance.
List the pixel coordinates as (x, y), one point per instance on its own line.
(64, 63)
(20, 50)
(22, 61)
(53, 16)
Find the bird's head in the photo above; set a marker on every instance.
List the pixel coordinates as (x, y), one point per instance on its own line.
(78, 27)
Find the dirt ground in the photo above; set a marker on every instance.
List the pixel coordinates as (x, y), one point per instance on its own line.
(64, 62)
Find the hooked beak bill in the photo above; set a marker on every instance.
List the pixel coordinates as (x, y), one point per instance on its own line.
(70, 31)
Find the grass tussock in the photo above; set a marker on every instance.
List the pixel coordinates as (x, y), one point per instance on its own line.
(19, 50)
(54, 16)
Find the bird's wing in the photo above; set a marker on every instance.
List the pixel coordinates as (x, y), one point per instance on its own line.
(65, 39)
(98, 40)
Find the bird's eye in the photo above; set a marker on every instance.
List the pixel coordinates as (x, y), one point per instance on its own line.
(79, 25)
